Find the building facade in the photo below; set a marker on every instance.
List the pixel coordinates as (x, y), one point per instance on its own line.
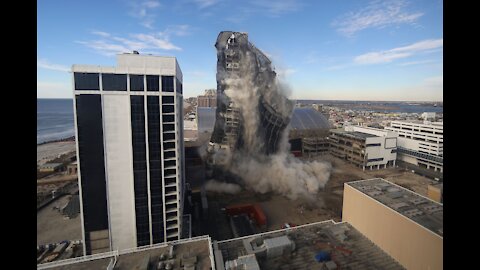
(364, 146)
(404, 224)
(129, 130)
(238, 58)
(209, 99)
(420, 143)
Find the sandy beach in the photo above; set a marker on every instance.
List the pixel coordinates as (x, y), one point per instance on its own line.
(48, 151)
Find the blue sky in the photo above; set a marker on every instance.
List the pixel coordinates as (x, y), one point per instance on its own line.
(346, 50)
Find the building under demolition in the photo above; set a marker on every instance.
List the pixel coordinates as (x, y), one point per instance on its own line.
(239, 59)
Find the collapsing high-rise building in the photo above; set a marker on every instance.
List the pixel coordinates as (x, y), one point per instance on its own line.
(242, 69)
(249, 143)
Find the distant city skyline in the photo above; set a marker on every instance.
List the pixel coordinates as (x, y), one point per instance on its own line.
(355, 50)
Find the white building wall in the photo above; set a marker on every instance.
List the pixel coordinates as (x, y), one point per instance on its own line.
(426, 137)
(387, 140)
(381, 151)
(118, 155)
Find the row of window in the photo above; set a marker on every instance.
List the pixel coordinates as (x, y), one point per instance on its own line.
(118, 82)
(420, 155)
(140, 170)
(375, 159)
(373, 144)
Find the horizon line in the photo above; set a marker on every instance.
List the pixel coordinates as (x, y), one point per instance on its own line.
(423, 101)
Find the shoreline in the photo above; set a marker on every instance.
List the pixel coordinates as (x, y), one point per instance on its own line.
(68, 139)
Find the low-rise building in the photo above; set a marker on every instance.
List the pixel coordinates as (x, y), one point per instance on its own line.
(192, 253)
(320, 245)
(51, 167)
(308, 132)
(420, 143)
(72, 168)
(364, 146)
(209, 99)
(406, 225)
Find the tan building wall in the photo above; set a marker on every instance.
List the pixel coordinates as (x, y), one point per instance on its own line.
(412, 245)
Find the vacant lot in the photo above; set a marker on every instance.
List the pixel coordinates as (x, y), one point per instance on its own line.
(328, 204)
(53, 227)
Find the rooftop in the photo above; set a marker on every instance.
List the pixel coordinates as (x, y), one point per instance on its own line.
(308, 118)
(193, 253)
(419, 122)
(420, 209)
(346, 247)
(353, 134)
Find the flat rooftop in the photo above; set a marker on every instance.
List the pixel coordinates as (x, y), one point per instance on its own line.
(347, 247)
(194, 252)
(422, 210)
(353, 134)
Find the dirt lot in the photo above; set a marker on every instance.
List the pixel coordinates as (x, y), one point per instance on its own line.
(328, 204)
(53, 227)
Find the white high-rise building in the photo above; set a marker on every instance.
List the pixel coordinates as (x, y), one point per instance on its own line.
(420, 143)
(129, 130)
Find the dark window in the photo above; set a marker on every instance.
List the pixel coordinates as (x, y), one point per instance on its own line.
(169, 154)
(114, 82)
(373, 144)
(168, 127)
(167, 99)
(169, 163)
(140, 170)
(86, 81)
(168, 118)
(154, 151)
(168, 145)
(92, 166)
(168, 136)
(179, 86)
(167, 108)
(374, 159)
(167, 84)
(136, 83)
(152, 83)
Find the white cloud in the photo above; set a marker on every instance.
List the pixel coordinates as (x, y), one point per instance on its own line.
(143, 10)
(416, 63)
(43, 63)
(110, 45)
(397, 53)
(153, 41)
(206, 3)
(377, 14)
(177, 30)
(277, 8)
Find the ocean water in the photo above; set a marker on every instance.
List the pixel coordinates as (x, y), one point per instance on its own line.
(54, 119)
(381, 106)
(55, 116)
